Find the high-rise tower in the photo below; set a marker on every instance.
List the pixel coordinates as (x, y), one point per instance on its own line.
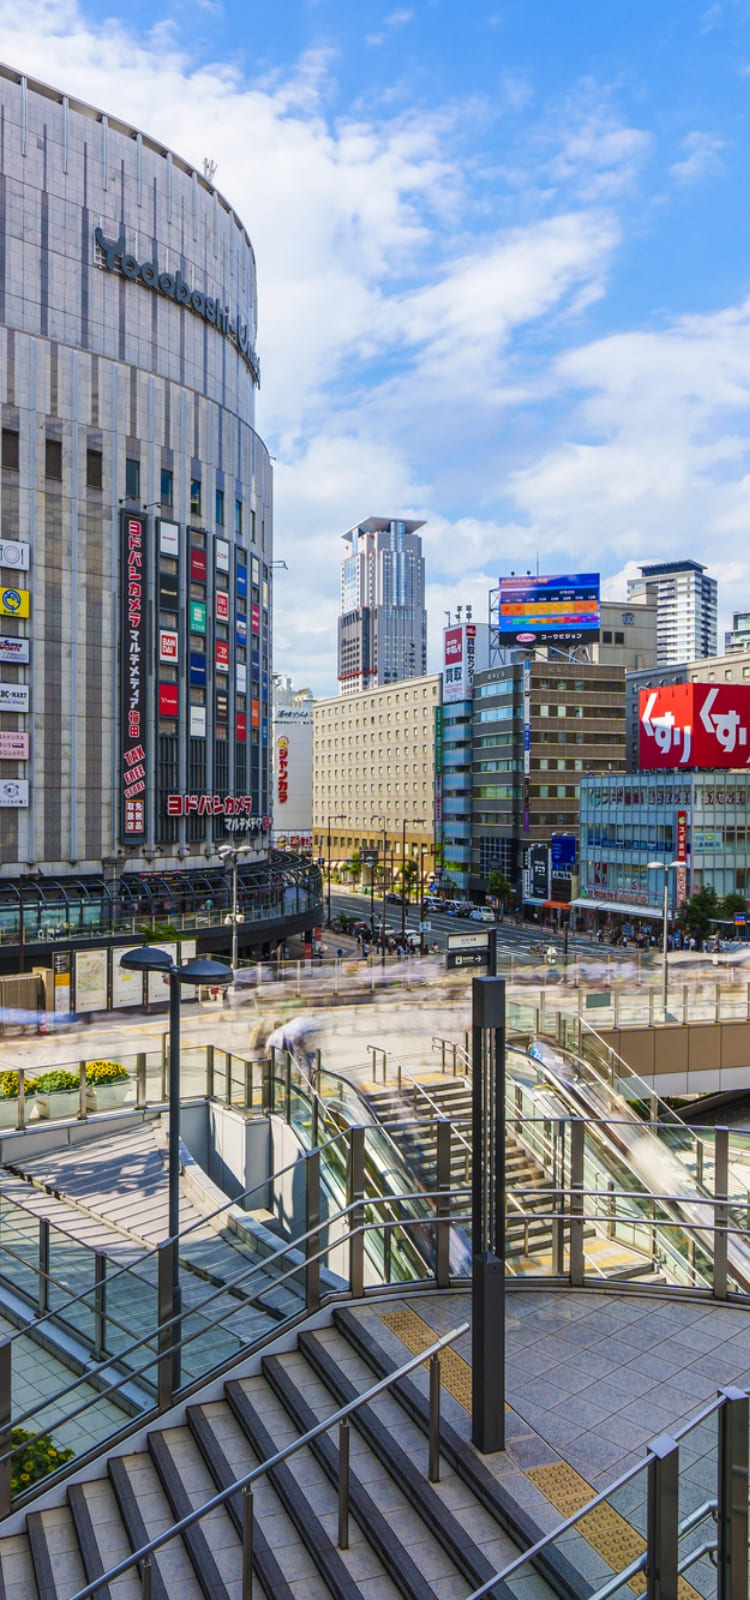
(383, 622)
(685, 612)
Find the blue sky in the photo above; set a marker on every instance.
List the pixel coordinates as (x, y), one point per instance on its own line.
(504, 266)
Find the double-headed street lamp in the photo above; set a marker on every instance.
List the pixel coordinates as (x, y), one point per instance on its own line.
(665, 867)
(415, 821)
(231, 852)
(212, 974)
(336, 816)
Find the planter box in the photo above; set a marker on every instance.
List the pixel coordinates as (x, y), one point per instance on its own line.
(63, 1103)
(9, 1112)
(106, 1096)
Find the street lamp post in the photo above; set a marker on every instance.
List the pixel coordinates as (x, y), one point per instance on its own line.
(665, 867)
(226, 851)
(416, 821)
(198, 971)
(336, 816)
(381, 821)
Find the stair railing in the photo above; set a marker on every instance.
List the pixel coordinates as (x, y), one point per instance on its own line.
(244, 1484)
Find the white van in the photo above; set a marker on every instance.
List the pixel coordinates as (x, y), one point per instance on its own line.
(482, 914)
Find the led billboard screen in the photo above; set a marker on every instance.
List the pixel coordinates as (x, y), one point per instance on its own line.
(695, 725)
(560, 610)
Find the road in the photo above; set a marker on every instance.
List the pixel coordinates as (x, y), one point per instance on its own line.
(511, 940)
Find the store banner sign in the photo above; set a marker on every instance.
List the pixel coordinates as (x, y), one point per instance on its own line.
(198, 566)
(169, 592)
(282, 769)
(255, 618)
(167, 645)
(695, 725)
(14, 602)
(222, 555)
(14, 747)
(134, 641)
(14, 697)
(241, 678)
(241, 579)
(240, 624)
(240, 731)
(222, 605)
(197, 616)
(13, 795)
(14, 555)
(197, 722)
(682, 827)
(222, 655)
(168, 700)
(197, 669)
(169, 538)
(15, 650)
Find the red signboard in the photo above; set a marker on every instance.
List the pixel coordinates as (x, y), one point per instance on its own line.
(167, 645)
(454, 646)
(222, 655)
(134, 635)
(255, 619)
(198, 566)
(255, 713)
(695, 725)
(222, 605)
(241, 728)
(282, 762)
(168, 702)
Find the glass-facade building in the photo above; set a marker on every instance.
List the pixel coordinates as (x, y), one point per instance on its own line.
(633, 819)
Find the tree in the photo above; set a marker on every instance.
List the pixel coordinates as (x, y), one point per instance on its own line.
(355, 866)
(731, 903)
(408, 875)
(499, 888)
(697, 913)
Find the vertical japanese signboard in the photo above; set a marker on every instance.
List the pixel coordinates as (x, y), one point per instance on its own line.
(526, 741)
(682, 857)
(133, 677)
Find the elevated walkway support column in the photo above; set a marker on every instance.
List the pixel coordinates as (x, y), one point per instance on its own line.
(488, 1215)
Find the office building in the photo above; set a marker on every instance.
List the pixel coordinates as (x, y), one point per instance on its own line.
(687, 609)
(466, 647)
(291, 750)
(538, 726)
(628, 632)
(738, 636)
(137, 537)
(374, 758)
(382, 634)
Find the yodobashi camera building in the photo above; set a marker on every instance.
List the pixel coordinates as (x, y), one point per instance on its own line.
(136, 497)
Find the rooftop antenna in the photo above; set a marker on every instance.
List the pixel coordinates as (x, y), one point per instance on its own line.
(468, 613)
(450, 619)
(459, 609)
(209, 169)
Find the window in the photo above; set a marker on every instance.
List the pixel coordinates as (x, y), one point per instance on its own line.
(167, 488)
(606, 635)
(132, 479)
(10, 449)
(53, 458)
(220, 507)
(195, 497)
(93, 469)
(619, 638)
(238, 517)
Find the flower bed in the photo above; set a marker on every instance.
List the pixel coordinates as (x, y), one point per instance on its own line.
(38, 1457)
(57, 1093)
(106, 1085)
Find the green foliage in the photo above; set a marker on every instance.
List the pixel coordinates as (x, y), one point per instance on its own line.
(34, 1456)
(355, 866)
(408, 874)
(57, 1081)
(499, 887)
(697, 913)
(9, 1086)
(731, 903)
(104, 1072)
(160, 933)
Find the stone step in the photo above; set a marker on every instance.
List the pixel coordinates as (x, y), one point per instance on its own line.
(145, 1512)
(55, 1555)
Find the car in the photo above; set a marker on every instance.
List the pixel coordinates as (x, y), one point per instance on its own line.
(482, 914)
(394, 899)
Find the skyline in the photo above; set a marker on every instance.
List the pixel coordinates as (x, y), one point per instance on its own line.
(502, 265)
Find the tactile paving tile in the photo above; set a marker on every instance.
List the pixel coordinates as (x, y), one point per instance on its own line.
(415, 1333)
(604, 1528)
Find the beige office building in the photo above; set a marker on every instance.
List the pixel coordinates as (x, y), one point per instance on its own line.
(374, 769)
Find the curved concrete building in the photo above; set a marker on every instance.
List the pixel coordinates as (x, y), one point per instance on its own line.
(135, 510)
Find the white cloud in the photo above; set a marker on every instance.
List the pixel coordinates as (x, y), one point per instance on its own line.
(702, 159)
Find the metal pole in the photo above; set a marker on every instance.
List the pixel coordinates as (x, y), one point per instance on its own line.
(100, 1304)
(6, 1357)
(356, 1189)
(344, 1484)
(662, 1529)
(146, 1578)
(443, 1183)
(433, 1468)
(403, 883)
(731, 1517)
(721, 1212)
(234, 913)
(312, 1219)
(328, 897)
(247, 1543)
(665, 979)
(385, 847)
(173, 1178)
(21, 929)
(488, 1215)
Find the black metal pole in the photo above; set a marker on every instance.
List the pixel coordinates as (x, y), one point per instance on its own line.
(385, 846)
(492, 954)
(174, 1156)
(21, 930)
(328, 912)
(403, 883)
(488, 1215)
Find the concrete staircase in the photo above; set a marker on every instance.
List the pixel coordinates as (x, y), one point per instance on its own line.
(409, 1538)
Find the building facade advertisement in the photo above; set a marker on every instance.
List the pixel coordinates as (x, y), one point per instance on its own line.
(222, 705)
(133, 677)
(197, 565)
(539, 872)
(167, 645)
(255, 618)
(14, 555)
(222, 655)
(197, 616)
(14, 747)
(241, 581)
(197, 722)
(91, 980)
(240, 730)
(169, 703)
(563, 609)
(526, 742)
(240, 677)
(240, 624)
(14, 794)
(169, 591)
(14, 602)
(197, 669)
(222, 605)
(282, 769)
(453, 665)
(682, 834)
(15, 650)
(222, 555)
(694, 725)
(14, 697)
(169, 538)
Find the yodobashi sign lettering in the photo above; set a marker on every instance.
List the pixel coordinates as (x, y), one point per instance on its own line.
(235, 811)
(15, 650)
(695, 725)
(174, 287)
(133, 676)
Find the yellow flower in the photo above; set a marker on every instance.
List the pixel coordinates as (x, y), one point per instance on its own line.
(24, 1477)
(52, 1453)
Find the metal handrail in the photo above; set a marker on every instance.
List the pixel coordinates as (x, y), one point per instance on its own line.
(276, 1460)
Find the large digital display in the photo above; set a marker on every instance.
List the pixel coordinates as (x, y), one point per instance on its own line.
(560, 610)
(695, 725)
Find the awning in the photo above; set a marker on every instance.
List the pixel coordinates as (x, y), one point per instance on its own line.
(557, 905)
(618, 906)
